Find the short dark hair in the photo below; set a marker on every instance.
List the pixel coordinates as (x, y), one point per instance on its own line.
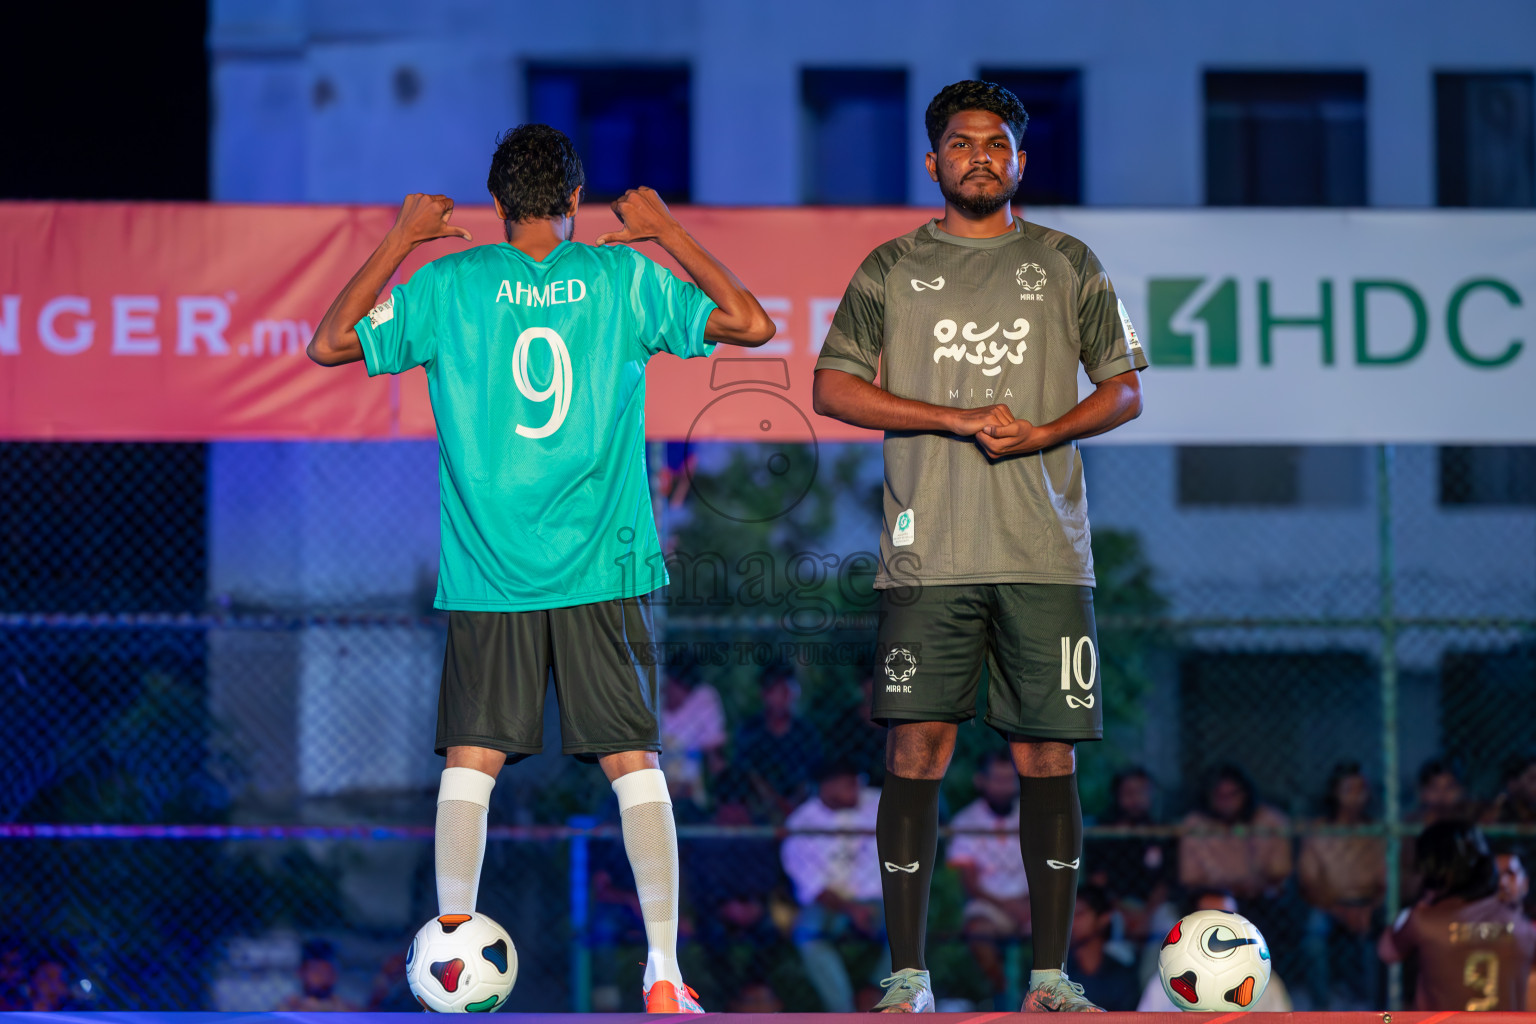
(974, 95)
(1229, 772)
(1097, 897)
(318, 949)
(1435, 767)
(778, 672)
(534, 172)
(992, 756)
(1454, 860)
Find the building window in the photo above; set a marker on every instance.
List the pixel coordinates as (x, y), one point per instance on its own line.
(1285, 138)
(1053, 139)
(629, 123)
(1485, 145)
(854, 136)
(1318, 476)
(1488, 475)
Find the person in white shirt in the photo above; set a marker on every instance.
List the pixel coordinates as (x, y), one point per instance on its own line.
(692, 729)
(1276, 999)
(836, 879)
(990, 867)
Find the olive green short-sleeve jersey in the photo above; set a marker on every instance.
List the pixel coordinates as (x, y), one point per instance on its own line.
(967, 322)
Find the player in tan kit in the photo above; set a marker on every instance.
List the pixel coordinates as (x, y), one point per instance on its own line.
(1474, 949)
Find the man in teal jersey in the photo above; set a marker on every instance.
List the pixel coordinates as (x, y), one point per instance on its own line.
(535, 353)
(977, 325)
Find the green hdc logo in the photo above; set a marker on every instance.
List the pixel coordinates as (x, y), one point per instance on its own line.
(1181, 308)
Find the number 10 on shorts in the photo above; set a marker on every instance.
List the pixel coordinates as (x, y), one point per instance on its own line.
(1080, 663)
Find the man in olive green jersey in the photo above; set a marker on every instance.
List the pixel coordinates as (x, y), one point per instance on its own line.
(535, 353)
(977, 324)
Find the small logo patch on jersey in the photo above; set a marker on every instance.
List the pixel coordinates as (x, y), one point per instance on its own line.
(1031, 277)
(928, 286)
(908, 868)
(900, 665)
(906, 530)
(383, 313)
(1064, 865)
(1130, 330)
(1079, 702)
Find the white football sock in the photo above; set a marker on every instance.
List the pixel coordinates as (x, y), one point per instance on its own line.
(463, 805)
(650, 839)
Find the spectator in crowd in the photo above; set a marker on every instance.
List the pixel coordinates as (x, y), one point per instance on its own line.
(1092, 962)
(318, 975)
(391, 989)
(1441, 796)
(836, 880)
(1138, 870)
(990, 867)
(13, 974)
(48, 986)
(692, 729)
(856, 738)
(1255, 868)
(1516, 803)
(1276, 997)
(777, 749)
(1474, 950)
(1344, 879)
(1252, 867)
(731, 882)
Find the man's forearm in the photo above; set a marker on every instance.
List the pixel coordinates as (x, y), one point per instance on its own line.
(1113, 403)
(745, 318)
(860, 403)
(335, 341)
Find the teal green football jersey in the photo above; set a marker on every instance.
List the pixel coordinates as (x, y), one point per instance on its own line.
(537, 377)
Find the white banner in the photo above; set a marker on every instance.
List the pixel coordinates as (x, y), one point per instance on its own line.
(1313, 326)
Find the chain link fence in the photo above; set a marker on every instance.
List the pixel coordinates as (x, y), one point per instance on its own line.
(220, 671)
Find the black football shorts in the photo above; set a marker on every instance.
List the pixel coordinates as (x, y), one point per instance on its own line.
(1037, 641)
(498, 666)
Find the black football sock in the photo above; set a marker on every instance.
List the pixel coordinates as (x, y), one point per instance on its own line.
(1051, 839)
(907, 838)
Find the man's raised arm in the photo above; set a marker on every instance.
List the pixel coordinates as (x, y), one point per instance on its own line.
(738, 318)
(421, 219)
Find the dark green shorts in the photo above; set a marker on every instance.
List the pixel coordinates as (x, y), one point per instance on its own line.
(498, 666)
(1037, 641)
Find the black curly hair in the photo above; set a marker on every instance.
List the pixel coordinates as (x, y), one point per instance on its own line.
(974, 95)
(534, 172)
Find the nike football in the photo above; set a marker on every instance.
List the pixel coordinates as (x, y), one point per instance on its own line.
(1213, 960)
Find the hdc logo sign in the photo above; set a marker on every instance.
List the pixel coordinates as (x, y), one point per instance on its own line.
(1181, 310)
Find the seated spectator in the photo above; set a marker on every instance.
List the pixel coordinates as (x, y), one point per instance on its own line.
(1276, 998)
(1441, 796)
(836, 880)
(1138, 870)
(778, 750)
(1516, 803)
(692, 729)
(1252, 867)
(318, 975)
(990, 867)
(855, 738)
(1092, 962)
(731, 882)
(13, 974)
(1474, 950)
(1344, 879)
(391, 989)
